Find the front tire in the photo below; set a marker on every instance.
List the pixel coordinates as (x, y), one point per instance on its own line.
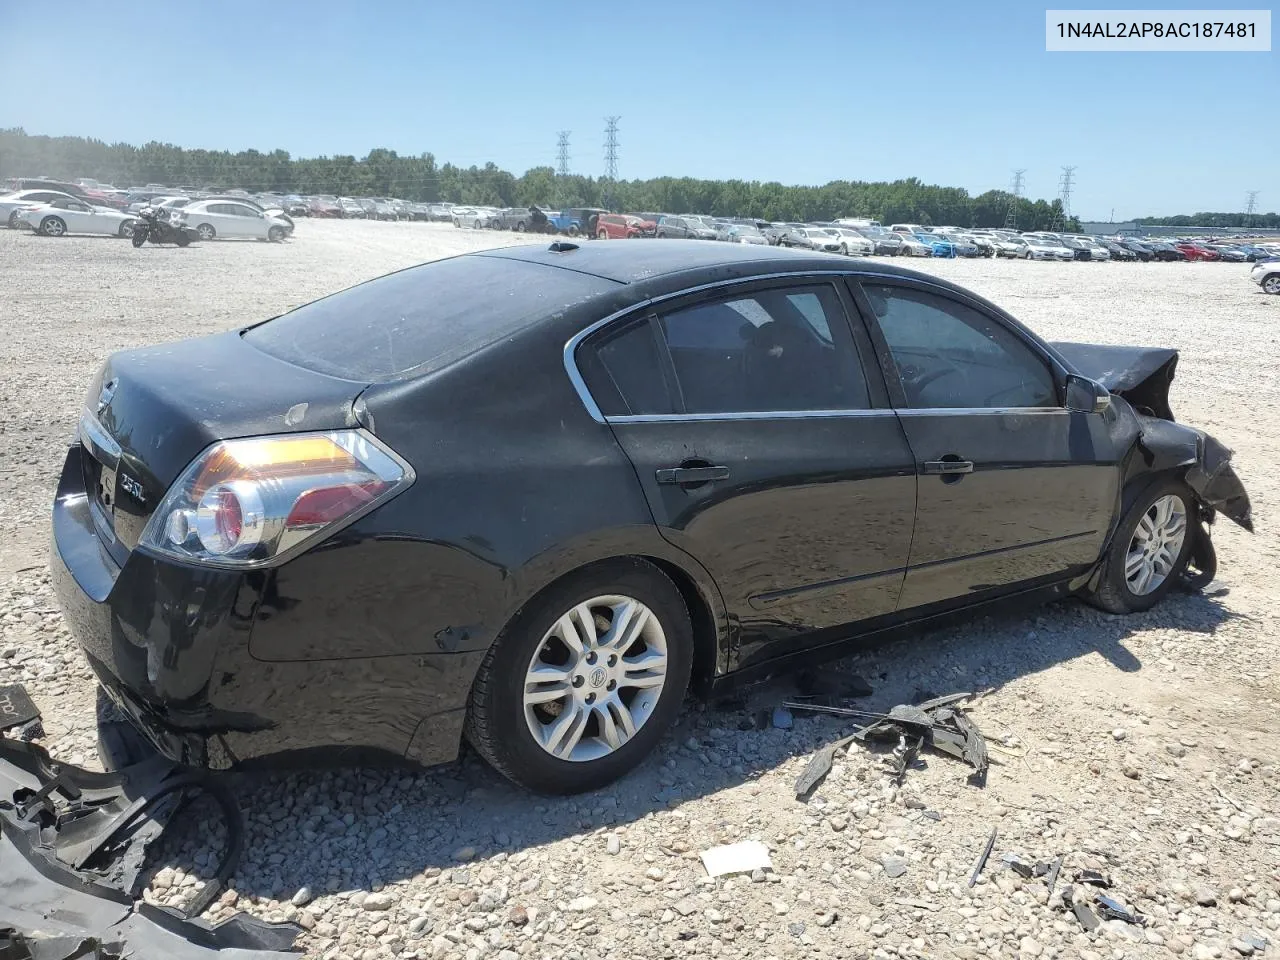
(13, 220)
(139, 236)
(584, 681)
(602, 235)
(1271, 283)
(275, 234)
(1149, 551)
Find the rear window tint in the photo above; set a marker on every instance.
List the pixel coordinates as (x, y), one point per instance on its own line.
(421, 319)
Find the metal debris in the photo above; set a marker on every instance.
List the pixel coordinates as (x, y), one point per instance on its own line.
(982, 860)
(819, 766)
(1113, 909)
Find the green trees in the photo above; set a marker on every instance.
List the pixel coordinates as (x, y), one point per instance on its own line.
(385, 173)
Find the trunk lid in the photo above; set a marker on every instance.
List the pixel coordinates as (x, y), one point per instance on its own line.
(150, 412)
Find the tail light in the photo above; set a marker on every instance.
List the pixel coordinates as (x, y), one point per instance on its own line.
(259, 501)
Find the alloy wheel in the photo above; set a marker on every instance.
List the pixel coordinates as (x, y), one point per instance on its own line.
(1272, 283)
(595, 678)
(1156, 545)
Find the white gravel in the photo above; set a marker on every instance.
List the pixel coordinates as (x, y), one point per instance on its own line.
(1142, 746)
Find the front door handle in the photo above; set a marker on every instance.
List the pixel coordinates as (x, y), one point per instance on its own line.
(684, 475)
(948, 465)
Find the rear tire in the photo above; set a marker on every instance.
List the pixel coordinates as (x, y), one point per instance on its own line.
(1121, 588)
(181, 239)
(501, 719)
(206, 232)
(602, 235)
(13, 220)
(126, 230)
(53, 227)
(139, 236)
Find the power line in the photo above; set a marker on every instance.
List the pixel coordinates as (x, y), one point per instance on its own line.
(1065, 183)
(1250, 205)
(562, 153)
(1011, 215)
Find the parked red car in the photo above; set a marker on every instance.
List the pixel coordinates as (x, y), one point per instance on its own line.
(623, 226)
(1196, 252)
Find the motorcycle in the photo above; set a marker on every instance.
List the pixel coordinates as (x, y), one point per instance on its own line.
(154, 225)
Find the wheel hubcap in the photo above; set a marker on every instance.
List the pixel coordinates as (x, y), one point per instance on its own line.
(595, 678)
(1272, 285)
(1156, 545)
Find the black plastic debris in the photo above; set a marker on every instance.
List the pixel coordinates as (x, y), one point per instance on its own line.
(1052, 878)
(936, 723)
(982, 860)
(1028, 871)
(1094, 878)
(72, 846)
(1112, 909)
(16, 708)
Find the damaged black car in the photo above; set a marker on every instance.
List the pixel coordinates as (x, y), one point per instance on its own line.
(529, 497)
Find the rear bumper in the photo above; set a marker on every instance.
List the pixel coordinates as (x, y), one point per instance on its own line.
(171, 646)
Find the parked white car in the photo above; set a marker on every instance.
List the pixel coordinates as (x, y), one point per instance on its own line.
(11, 204)
(852, 242)
(1005, 246)
(229, 219)
(1266, 274)
(70, 215)
(1038, 248)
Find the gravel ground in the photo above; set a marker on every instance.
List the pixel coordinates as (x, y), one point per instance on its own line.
(1141, 746)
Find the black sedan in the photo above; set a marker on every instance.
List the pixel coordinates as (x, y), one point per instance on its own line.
(530, 496)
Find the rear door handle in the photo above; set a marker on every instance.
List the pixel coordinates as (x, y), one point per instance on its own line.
(948, 466)
(682, 475)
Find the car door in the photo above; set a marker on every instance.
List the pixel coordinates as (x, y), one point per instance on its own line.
(1014, 488)
(79, 216)
(766, 452)
(248, 221)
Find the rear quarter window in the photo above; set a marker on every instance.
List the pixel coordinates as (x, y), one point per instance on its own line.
(422, 319)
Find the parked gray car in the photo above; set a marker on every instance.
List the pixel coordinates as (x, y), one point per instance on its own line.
(681, 228)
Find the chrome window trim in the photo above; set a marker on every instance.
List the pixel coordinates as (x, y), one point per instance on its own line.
(580, 385)
(975, 411)
(750, 415)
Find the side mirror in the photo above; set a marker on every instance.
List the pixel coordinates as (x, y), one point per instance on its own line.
(1086, 396)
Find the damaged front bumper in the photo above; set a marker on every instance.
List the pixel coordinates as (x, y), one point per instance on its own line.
(72, 849)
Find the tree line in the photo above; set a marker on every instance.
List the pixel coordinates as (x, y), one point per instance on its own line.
(1268, 221)
(421, 178)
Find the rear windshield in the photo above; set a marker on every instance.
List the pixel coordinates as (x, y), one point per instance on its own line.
(421, 319)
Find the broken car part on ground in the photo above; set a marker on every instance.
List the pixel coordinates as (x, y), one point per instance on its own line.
(72, 849)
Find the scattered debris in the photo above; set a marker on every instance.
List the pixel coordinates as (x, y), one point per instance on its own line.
(1113, 909)
(1028, 871)
(894, 867)
(1093, 878)
(72, 846)
(1088, 919)
(982, 860)
(935, 723)
(1052, 878)
(743, 857)
(782, 719)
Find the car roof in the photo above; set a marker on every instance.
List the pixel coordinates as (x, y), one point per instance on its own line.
(632, 263)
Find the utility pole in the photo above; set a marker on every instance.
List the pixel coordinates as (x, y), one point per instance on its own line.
(1065, 183)
(1011, 214)
(1250, 206)
(610, 157)
(562, 153)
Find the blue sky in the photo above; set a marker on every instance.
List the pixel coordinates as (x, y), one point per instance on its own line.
(953, 93)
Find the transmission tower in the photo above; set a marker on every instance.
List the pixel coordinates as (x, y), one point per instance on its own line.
(562, 153)
(1064, 185)
(1250, 206)
(610, 156)
(1011, 215)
